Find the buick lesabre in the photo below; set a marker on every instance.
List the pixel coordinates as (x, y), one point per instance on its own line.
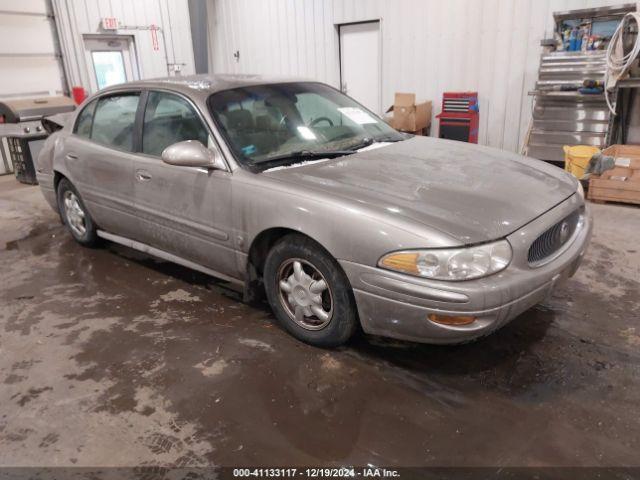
(292, 189)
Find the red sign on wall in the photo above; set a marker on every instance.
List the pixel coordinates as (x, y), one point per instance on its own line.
(154, 37)
(109, 23)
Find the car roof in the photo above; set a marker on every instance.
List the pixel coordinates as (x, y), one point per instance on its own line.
(203, 85)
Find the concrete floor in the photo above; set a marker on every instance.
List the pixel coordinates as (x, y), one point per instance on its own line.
(109, 357)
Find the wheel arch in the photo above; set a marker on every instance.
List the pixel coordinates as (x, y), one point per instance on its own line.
(57, 176)
(258, 251)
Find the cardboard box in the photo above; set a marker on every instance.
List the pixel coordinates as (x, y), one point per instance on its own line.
(409, 116)
(626, 155)
(621, 183)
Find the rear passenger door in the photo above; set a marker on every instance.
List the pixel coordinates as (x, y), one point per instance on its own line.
(99, 159)
(185, 211)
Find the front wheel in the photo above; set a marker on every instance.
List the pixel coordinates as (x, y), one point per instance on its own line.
(309, 293)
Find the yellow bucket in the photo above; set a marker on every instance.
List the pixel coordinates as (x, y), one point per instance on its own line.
(577, 158)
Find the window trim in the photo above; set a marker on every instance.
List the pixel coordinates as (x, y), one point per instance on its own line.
(144, 113)
(218, 140)
(97, 98)
(198, 113)
(74, 131)
(138, 125)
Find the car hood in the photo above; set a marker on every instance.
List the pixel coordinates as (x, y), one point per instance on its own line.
(470, 192)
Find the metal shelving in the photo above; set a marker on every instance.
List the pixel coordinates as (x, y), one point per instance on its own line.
(567, 117)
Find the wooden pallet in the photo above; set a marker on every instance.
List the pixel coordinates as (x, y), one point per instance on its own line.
(622, 183)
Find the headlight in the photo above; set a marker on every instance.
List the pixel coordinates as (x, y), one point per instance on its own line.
(580, 190)
(450, 263)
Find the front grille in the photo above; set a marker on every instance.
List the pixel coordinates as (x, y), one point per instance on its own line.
(554, 238)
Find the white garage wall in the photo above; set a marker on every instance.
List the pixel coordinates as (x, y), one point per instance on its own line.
(429, 46)
(76, 18)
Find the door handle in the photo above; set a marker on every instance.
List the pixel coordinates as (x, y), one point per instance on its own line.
(72, 156)
(143, 176)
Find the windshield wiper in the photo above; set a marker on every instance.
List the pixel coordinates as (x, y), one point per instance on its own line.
(302, 155)
(365, 142)
(392, 138)
(368, 141)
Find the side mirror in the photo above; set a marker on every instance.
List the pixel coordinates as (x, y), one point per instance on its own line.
(192, 153)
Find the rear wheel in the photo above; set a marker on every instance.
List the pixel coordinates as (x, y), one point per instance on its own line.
(75, 215)
(309, 293)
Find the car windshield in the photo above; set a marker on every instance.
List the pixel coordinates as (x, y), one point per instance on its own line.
(291, 122)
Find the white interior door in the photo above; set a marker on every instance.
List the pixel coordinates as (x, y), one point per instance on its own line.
(111, 60)
(360, 62)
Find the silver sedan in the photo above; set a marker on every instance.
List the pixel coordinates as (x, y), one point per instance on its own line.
(294, 191)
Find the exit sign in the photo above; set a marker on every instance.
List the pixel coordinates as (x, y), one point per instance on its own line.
(109, 23)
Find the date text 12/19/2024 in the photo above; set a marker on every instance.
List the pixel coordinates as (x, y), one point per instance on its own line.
(309, 472)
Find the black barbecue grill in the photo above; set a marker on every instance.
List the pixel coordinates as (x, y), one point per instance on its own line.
(21, 126)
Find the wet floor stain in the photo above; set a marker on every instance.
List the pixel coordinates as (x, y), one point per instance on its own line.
(148, 363)
(31, 394)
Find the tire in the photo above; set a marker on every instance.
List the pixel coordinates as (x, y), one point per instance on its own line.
(296, 304)
(75, 215)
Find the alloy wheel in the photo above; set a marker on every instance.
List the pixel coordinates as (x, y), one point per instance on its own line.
(74, 213)
(305, 294)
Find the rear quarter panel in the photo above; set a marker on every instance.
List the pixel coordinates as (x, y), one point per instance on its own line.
(45, 167)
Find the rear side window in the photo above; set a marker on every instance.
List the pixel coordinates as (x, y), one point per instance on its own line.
(83, 123)
(169, 119)
(114, 119)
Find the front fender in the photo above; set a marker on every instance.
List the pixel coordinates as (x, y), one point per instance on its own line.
(347, 229)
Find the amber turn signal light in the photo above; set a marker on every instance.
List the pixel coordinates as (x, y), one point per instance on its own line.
(404, 262)
(451, 320)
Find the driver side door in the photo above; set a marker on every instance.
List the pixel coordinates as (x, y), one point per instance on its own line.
(185, 211)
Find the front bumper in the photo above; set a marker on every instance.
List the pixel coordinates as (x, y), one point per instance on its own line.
(396, 305)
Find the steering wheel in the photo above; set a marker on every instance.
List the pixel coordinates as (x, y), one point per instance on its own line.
(321, 119)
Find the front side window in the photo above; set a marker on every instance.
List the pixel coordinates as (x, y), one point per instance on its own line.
(267, 122)
(84, 120)
(114, 119)
(170, 119)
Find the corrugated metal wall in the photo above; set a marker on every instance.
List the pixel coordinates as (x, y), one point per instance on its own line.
(429, 46)
(76, 18)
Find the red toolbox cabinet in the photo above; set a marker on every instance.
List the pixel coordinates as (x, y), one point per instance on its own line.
(459, 118)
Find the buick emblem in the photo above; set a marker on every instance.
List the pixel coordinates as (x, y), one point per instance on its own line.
(564, 231)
